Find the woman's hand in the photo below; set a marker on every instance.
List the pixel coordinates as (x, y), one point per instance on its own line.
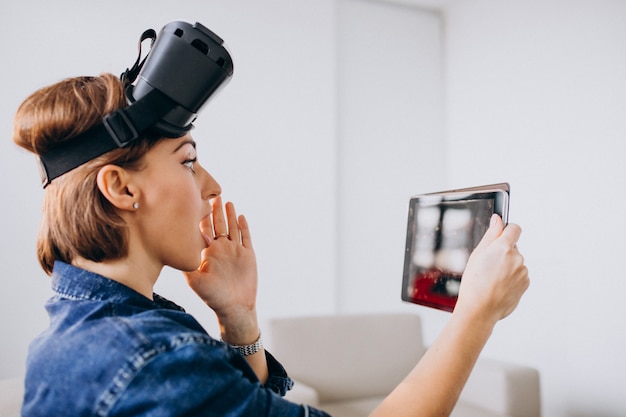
(495, 277)
(227, 277)
(493, 282)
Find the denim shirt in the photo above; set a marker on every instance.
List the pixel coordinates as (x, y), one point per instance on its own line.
(110, 351)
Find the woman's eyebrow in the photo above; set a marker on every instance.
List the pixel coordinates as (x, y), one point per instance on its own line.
(185, 142)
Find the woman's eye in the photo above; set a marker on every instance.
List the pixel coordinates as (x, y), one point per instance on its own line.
(190, 164)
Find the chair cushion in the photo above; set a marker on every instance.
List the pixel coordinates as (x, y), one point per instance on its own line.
(363, 408)
(337, 355)
(11, 396)
(355, 408)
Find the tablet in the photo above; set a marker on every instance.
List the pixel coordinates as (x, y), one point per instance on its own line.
(442, 231)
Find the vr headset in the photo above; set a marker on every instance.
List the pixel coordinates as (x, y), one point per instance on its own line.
(165, 91)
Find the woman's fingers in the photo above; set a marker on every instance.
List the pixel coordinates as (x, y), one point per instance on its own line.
(493, 232)
(495, 277)
(219, 223)
(244, 229)
(206, 229)
(512, 233)
(233, 227)
(227, 224)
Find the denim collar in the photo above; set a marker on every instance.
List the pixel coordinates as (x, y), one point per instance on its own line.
(75, 283)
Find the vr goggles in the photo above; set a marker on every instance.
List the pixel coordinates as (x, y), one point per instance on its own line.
(166, 90)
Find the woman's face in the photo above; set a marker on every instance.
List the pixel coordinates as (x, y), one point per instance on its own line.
(175, 194)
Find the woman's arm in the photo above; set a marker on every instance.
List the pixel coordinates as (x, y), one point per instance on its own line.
(492, 285)
(227, 280)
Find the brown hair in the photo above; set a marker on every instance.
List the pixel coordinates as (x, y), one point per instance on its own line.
(77, 220)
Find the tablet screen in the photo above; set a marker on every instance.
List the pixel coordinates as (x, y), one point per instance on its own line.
(443, 229)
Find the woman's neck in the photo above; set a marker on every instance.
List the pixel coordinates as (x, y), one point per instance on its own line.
(139, 276)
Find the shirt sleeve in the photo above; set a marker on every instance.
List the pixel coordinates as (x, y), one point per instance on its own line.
(204, 380)
(313, 412)
(278, 380)
(280, 383)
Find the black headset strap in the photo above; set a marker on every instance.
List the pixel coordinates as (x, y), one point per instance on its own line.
(129, 76)
(117, 130)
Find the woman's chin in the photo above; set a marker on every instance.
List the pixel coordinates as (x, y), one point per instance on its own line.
(188, 265)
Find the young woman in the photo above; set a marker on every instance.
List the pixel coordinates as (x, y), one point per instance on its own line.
(114, 348)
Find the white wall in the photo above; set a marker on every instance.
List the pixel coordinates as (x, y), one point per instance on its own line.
(536, 95)
(533, 91)
(390, 142)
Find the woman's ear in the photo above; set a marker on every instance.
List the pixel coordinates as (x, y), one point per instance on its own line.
(114, 182)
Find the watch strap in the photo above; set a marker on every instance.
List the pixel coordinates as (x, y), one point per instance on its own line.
(251, 349)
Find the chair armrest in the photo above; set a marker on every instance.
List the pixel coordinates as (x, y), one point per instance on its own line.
(303, 394)
(504, 388)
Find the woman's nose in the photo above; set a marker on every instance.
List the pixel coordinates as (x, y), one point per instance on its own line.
(210, 188)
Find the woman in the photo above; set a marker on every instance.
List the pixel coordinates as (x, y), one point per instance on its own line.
(114, 348)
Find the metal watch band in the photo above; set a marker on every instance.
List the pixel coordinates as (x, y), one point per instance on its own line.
(247, 350)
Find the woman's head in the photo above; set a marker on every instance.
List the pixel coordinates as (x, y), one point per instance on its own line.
(77, 219)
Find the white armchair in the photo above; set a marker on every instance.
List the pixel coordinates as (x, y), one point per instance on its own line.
(347, 364)
(11, 393)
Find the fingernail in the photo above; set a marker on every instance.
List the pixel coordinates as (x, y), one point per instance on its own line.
(494, 219)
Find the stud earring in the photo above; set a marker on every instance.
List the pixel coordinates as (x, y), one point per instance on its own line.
(135, 205)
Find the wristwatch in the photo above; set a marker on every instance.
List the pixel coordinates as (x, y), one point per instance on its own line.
(251, 349)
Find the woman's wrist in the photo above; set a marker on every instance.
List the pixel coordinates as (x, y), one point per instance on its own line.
(239, 328)
(483, 320)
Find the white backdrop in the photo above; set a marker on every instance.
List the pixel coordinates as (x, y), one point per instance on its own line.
(313, 145)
